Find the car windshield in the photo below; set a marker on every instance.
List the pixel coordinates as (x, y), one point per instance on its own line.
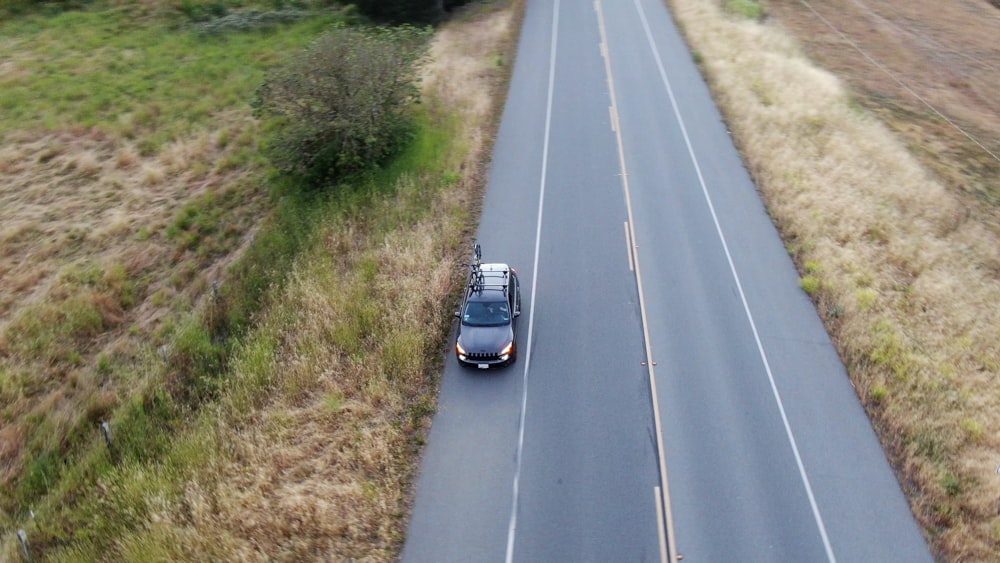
(486, 313)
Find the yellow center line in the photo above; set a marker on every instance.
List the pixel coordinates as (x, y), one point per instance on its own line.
(670, 553)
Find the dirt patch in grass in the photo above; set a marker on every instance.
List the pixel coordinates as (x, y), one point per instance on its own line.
(79, 195)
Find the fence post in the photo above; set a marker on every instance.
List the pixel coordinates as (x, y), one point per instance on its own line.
(22, 537)
(106, 430)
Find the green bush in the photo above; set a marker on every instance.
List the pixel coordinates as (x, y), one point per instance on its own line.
(879, 393)
(810, 284)
(342, 104)
(407, 11)
(17, 7)
(199, 10)
(402, 11)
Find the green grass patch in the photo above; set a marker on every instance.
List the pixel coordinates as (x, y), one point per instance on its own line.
(40, 474)
(878, 394)
(155, 80)
(972, 428)
(195, 363)
(890, 349)
(951, 484)
(749, 9)
(867, 299)
(333, 402)
(92, 300)
(51, 331)
(810, 284)
(292, 225)
(197, 223)
(403, 352)
(254, 370)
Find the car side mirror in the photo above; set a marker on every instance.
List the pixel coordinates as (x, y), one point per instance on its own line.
(517, 313)
(458, 314)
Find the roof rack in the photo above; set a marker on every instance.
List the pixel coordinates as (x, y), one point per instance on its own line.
(477, 280)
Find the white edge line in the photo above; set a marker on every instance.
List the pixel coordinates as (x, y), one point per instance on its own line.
(739, 286)
(658, 501)
(512, 526)
(628, 247)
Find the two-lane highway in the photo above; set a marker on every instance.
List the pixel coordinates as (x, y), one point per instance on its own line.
(566, 469)
(616, 192)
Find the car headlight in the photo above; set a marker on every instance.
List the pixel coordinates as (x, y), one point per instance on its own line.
(458, 348)
(507, 349)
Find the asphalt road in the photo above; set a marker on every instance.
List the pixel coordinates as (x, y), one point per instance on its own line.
(665, 345)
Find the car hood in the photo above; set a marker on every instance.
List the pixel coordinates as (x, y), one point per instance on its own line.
(485, 339)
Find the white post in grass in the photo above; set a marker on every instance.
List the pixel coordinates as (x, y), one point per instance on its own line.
(22, 537)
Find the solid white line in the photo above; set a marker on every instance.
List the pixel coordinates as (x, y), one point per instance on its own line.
(628, 247)
(512, 526)
(739, 286)
(670, 553)
(658, 501)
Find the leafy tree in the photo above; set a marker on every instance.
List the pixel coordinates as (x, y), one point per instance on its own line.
(407, 11)
(343, 102)
(17, 7)
(402, 11)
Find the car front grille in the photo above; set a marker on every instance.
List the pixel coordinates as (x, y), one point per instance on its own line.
(483, 357)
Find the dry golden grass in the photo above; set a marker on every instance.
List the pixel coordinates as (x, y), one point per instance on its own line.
(81, 200)
(908, 271)
(447, 74)
(322, 470)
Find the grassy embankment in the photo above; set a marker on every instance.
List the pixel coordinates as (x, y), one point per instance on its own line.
(130, 172)
(295, 437)
(903, 273)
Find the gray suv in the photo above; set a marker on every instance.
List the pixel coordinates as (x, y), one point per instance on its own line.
(487, 333)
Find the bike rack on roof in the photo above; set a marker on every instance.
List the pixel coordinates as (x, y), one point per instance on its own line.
(477, 281)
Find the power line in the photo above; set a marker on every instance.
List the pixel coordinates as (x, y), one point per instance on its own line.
(903, 85)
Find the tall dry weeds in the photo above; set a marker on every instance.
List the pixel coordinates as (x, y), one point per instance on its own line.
(87, 271)
(908, 276)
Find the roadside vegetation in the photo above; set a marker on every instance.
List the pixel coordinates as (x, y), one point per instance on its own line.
(344, 103)
(903, 266)
(261, 347)
(129, 178)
